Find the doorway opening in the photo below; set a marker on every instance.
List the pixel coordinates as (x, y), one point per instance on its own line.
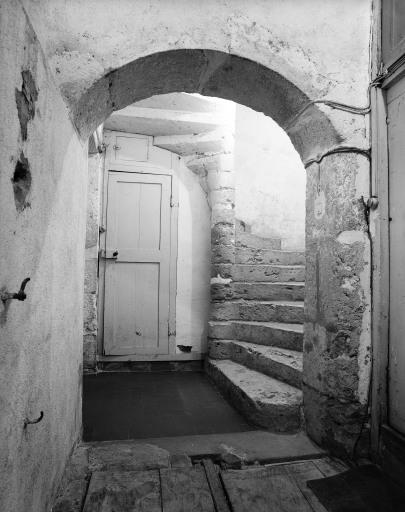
(196, 223)
(336, 357)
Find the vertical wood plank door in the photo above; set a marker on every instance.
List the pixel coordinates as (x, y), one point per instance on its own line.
(136, 304)
(396, 148)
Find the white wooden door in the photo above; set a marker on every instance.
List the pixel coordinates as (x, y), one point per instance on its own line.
(136, 303)
(396, 150)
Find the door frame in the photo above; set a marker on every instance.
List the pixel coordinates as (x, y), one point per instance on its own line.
(382, 435)
(143, 167)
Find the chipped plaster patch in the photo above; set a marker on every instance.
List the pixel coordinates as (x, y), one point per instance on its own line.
(349, 283)
(319, 205)
(351, 237)
(364, 351)
(220, 280)
(25, 101)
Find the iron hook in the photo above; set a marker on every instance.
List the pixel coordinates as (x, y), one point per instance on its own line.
(20, 295)
(27, 421)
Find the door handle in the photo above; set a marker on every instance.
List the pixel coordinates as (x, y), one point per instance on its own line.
(113, 257)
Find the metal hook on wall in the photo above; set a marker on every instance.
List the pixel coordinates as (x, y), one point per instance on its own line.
(20, 295)
(27, 421)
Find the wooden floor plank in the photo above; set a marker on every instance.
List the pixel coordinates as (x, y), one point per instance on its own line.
(264, 489)
(330, 467)
(185, 490)
(124, 491)
(214, 482)
(301, 472)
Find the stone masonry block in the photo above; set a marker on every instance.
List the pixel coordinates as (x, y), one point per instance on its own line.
(223, 234)
(90, 313)
(218, 180)
(223, 253)
(222, 196)
(89, 351)
(223, 214)
(90, 276)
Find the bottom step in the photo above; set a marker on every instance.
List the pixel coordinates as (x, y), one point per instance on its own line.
(263, 400)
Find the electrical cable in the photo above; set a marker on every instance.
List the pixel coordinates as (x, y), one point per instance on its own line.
(340, 149)
(341, 106)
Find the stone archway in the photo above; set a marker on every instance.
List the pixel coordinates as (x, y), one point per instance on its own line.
(337, 303)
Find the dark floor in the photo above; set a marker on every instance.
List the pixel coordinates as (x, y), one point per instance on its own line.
(145, 405)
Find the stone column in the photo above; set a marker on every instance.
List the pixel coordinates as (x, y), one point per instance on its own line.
(337, 357)
(221, 186)
(90, 320)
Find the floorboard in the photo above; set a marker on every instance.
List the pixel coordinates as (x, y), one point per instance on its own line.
(124, 491)
(263, 490)
(185, 490)
(301, 472)
(216, 488)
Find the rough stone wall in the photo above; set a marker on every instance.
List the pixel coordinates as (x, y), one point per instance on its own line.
(90, 325)
(42, 211)
(274, 57)
(337, 352)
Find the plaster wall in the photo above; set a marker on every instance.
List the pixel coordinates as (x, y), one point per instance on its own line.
(273, 57)
(42, 211)
(270, 180)
(193, 262)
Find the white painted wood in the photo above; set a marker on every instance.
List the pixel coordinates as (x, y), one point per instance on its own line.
(379, 230)
(396, 149)
(127, 147)
(137, 283)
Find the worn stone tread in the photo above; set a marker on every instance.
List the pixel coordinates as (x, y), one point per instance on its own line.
(125, 456)
(244, 239)
(275, 325)
(258, 290)
(269, 256)
(261, 311)
(259, 273)
(276, 334)
(264, 400)
(279, 363)
(278, 283)
(297, 303)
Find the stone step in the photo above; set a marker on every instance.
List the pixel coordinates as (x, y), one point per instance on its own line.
(273, 334)
(257, 291)
(259, 311)
(265, 401)
(244, 239)
(262, 273)
(250, 255)
(281, 364)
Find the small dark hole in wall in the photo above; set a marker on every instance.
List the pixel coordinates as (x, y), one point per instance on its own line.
(21, 183)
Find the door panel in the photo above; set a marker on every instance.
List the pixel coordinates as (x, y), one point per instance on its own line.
(130, 148)
(136, 312)
(396, 148)
(393, 30)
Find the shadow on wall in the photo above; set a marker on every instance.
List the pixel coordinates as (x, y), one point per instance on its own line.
(270, 180)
